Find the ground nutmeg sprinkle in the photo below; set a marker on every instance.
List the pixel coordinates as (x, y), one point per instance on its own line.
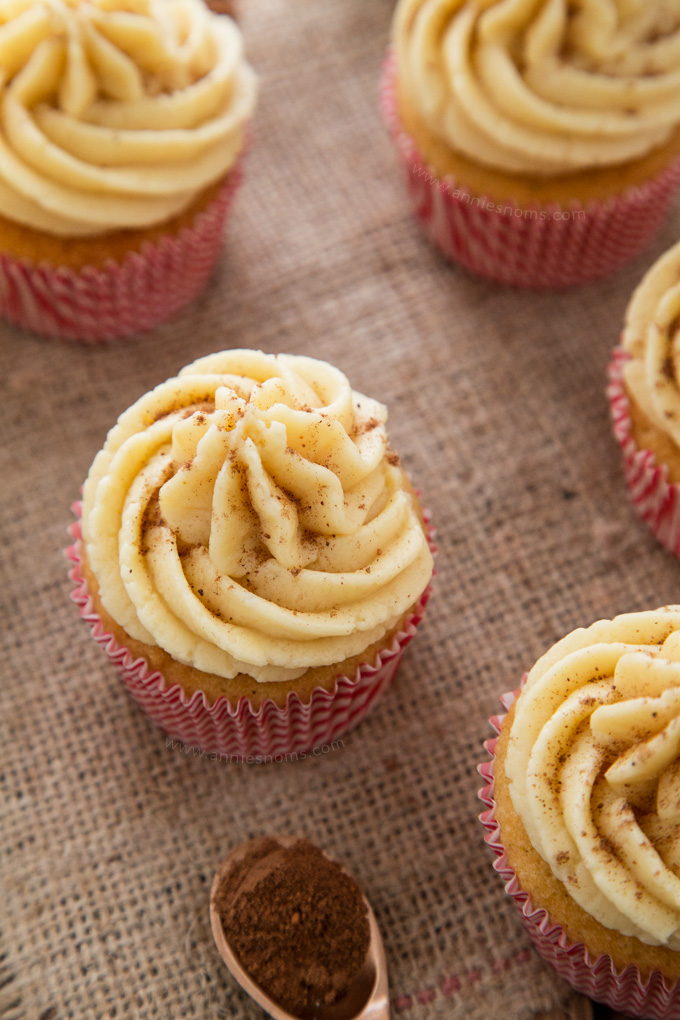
(296, 921)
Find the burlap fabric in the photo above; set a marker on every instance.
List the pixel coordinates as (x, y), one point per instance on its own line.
(110, 837)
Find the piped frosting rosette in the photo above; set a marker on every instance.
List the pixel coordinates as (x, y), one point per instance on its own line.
(116, 113)
(593, 763)
(543, 87)
(248, 517)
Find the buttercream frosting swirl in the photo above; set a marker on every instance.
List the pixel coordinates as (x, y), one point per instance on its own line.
(652, 338)
(116, 113)
(543, 87)
(593, 763)
(248, 517)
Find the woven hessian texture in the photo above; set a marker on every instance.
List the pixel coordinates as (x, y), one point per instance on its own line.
(109, 837)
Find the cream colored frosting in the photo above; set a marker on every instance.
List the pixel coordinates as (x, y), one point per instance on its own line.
(652, 338)
(543, 86)
(247, 516)
(116, 113)
(593, 762)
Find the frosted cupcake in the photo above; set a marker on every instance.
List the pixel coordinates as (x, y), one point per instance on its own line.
(540, 139)
(252, 555)
(645, 398)
(122, 126)
(584, 809)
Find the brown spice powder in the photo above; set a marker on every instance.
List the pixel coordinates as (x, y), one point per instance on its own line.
(296, 922)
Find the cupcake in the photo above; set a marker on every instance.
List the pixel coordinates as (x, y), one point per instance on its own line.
(540, 141)
(123, 124)
(584, 809)
(645, 398)
(251, 554)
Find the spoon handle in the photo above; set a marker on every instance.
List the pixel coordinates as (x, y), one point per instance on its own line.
(377, 1009)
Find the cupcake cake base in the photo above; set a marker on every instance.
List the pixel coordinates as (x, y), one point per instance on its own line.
(655, 497)
(138, 285)
(526, 240)
(248, 729)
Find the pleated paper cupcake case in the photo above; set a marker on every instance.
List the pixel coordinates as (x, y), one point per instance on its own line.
(241, 732)
(539, 246)
(94, 305)
(596, 977)
(655, 498)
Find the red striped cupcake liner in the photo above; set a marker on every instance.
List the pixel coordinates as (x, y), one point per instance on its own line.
(93, 305)
(240, 732)
(534, 246)
(655, 498)
(594, 976)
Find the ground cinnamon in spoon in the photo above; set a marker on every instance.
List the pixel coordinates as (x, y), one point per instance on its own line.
(296, 922)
